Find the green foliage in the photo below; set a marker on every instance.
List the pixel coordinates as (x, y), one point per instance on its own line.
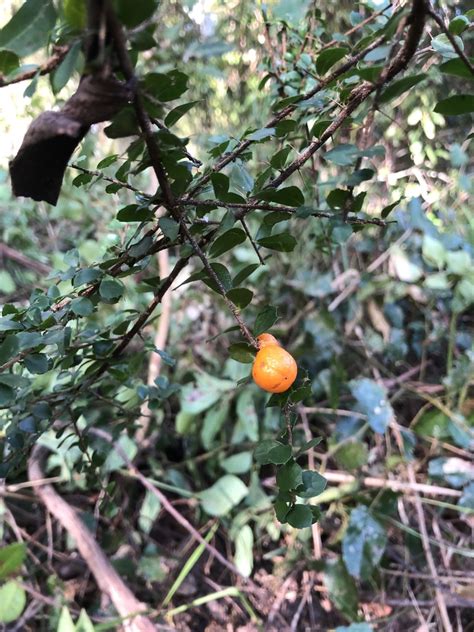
(359, 262)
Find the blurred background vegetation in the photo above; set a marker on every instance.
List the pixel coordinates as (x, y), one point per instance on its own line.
(379, 318)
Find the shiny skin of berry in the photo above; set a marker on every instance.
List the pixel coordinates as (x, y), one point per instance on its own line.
(274, 369)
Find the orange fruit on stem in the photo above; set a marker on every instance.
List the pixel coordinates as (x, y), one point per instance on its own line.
(266, 340)
(274, 369)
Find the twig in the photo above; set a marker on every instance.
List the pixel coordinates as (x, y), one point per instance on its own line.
(263, 206)
(396, 486)
(133, 471)
(22, 259)
(425, 540)
(159, 341)
(99, 174)
(452, 39)
(252, 241)
(48, 66)
(107, 578)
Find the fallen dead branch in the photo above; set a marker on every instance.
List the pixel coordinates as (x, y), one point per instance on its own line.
(107, 578)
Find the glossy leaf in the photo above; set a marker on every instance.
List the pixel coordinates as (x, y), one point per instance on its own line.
(363, 544)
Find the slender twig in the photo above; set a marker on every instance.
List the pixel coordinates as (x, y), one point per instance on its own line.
(101, 176)
(355, 28)
(252, 241)
(452, 39)
(246, 208)
(53, 62)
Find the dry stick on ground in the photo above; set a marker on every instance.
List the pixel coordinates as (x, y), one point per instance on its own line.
(53, 62)
(146, 127)
(22, 259)
(425, 540)
(107, 578)
(133, 471)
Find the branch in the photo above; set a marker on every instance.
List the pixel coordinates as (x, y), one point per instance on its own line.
(262, 206)
(359, 95)
(452, 39)
(53, 62)
(27, 262)
(243, 145)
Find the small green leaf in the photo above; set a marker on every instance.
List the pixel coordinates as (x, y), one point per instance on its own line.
(245, 273)
(149, 510)
(175, 114)
(289, 476)
(457, 68)
(313, 485)
(225, 494)
(291, 196)
(36, 363)
(372, 401)
(242, 352)
(312, 443)
(12, 601)
(328, 58)
(220, 183)
(227, 241)
(241, 296)
(341, 588)
(459, 24)
(265, 320)
(243, 557)
(282, 242)
(239, 463)
(111, 289)
(397, 88)
(8, 348)
(166, 87)
(169, 227)
(363, 544)
(443, 46)
(385, 212)
(456, 105)
(82, 306)
(64, 71)
(261, 134)
(299, 516)
(352, 455)
(65, 622)
(135, 213)
(12, 557)
(270, 451)
(278, 161)
(106, 162)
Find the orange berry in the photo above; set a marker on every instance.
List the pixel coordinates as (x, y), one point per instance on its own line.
(265, 340)
(274, 369)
